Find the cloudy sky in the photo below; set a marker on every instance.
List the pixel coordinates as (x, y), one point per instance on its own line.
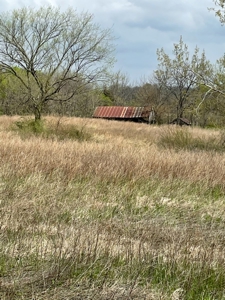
(143, 26)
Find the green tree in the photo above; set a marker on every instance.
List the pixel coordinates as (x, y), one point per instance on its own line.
(60, 52)
(215, 83)
(219, 10)
(13, 94)
(178, 75)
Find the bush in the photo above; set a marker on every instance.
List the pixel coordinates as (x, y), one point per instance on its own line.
(62, 132)
(175, 138)
(28, 127)
(182, 139)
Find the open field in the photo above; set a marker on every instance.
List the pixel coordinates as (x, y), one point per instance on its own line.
(117, 211)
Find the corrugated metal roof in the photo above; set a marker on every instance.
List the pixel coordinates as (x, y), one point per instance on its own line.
(123, 112)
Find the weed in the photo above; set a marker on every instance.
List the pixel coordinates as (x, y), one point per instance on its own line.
(62, 132)
(110, 214)
(29, 126)
(183, 139)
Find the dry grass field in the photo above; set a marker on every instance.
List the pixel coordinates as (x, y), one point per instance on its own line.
(96, 209)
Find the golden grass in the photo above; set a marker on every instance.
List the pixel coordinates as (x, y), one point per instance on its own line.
(128, 154)
(119, 198)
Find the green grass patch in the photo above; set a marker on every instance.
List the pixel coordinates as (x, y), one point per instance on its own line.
(197, 280)
(29, 127)
(128, 227)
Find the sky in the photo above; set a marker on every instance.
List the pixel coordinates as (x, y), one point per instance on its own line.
(143, 26)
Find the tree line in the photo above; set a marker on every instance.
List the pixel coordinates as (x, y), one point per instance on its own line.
(54, 62)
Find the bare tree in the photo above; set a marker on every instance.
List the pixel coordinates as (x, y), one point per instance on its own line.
(215, 83)
(117, 89)
(151, 95)
(56, 50)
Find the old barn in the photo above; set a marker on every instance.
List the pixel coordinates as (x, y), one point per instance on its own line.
(125, 113)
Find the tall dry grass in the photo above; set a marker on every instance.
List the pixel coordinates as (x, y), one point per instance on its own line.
(131, 153)
(116, 216)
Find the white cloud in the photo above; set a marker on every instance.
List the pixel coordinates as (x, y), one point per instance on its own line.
(142, 26)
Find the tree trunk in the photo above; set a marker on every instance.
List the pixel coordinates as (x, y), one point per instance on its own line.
(180, 111)
(37, 113)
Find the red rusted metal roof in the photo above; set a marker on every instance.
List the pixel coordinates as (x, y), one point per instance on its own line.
(123, 112)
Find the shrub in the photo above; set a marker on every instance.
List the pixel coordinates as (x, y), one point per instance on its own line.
(183, 139)
(29, 127)
(62, 132)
